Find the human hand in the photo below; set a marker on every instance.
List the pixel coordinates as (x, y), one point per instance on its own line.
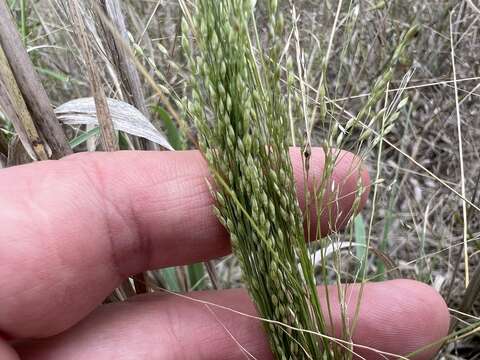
(73, 229)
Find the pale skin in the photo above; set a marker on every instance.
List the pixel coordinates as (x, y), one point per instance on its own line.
(72, 230)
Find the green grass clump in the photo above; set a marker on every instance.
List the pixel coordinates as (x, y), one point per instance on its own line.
(240, 112)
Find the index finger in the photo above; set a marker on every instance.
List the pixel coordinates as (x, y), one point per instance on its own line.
(73, 229)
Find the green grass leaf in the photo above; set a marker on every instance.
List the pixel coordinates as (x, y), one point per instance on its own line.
(84, 137)
(171, 280)
(174, 136)
(196, 277)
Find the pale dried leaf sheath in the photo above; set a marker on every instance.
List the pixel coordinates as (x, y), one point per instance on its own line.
(125, 118)
(13, 104)
(34, 94)
(107, 131)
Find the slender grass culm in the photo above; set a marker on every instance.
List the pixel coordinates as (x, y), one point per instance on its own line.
(241, 116)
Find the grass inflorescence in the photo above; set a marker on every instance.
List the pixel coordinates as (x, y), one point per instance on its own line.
(241, 115)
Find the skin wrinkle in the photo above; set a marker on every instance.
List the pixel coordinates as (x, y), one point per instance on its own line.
(173, 181)
(139, 250)
(141, 236)
(97, 185)
(174, 205)
(114, 220)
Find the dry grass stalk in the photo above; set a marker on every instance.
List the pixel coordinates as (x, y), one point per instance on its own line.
(13, 104)
(31, 89)
(107, 131)
(159, 91)
(460, 156)
(130, 86)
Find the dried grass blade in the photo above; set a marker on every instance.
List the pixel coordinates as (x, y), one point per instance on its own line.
(130, 84)
(124, 116)
(107, 131)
